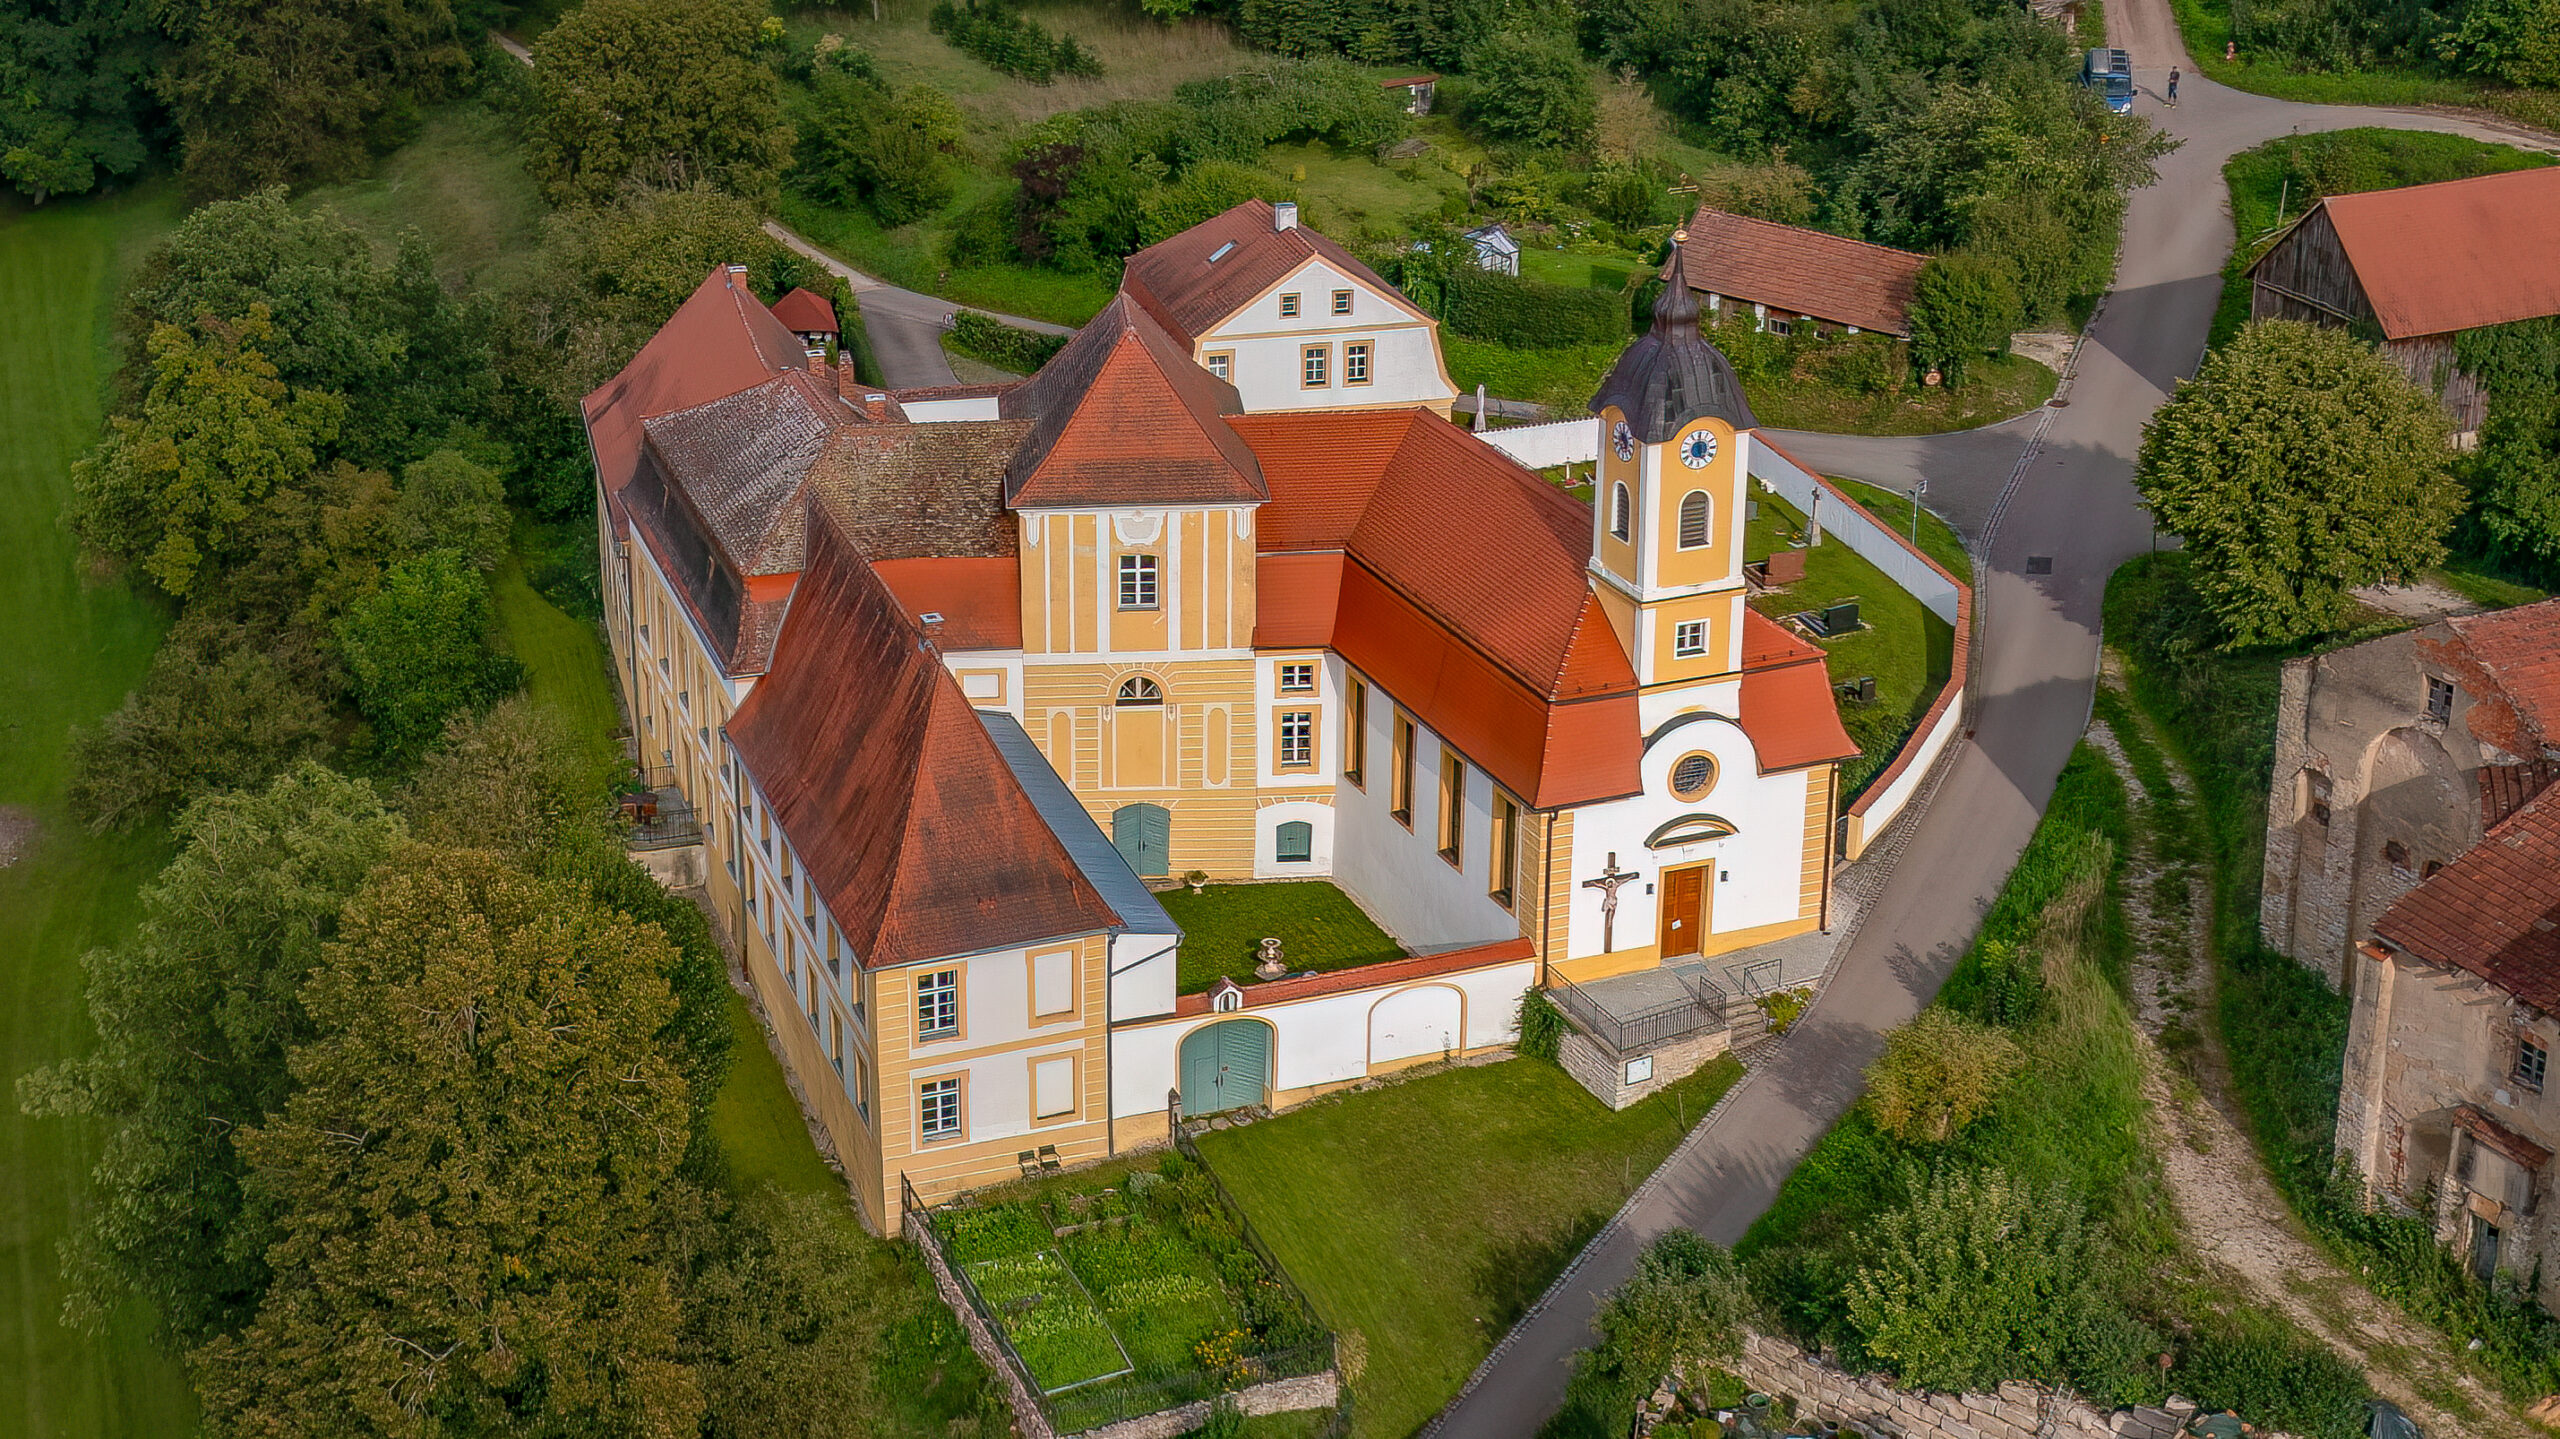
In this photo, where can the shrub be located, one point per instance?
(417, 651)
(220, 708)
(1541, 1026)
(1003, 38)
(1685, 1304)
(1530, 314)
(1532, 89)
(1938, 1074)
(2275, 1376)
(983, 337)
(890, 151)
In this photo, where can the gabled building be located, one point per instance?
(1289, 317)
(2419, 265)
(954, 694)
(1793, 280)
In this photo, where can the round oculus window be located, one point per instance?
(1623, 440)
(1698, 451)
(1694, 775)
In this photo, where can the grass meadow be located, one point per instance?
(76, 644)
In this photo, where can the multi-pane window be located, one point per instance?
(1696, 514)
(1297, 738)
(1355, 733)
(938, 1004)
(1689, 639)
(1222, 366)
(1453, 806)
(938, 1108)
(2533, 1064)
(1288, 306)
(1342, 302)
(1400, 783)
(1314, 364)
(1506, 848)
(1355, 363)
(1298, 678)
(2439, 700)
(1138, 582)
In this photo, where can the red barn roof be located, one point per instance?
(1806, 272)
(2455, 255)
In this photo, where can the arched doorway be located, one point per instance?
(1226, 1065)
(1143, 833)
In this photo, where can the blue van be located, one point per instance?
(2110, 73)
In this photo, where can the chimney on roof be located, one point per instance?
(1284, 214)
(817, 359)
(736, 274)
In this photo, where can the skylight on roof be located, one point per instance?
(1220, 253)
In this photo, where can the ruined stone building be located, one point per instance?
(2413, 858)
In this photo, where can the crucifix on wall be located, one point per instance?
(1608, 884)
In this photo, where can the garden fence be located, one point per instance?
(1101, 1402)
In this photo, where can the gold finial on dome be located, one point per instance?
(1680, 237)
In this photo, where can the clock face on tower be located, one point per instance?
(1698, 450)
(1624, 441)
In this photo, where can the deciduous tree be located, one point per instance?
(1533, 89)
(664, 93)
(224, 706)
(76, 75)
(195, 1014)
(1962, 307)
(2298, 464)
(417, 651)
(168, 489)
(470, 1178)
(1938, 1074)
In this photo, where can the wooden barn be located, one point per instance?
(2415, 267)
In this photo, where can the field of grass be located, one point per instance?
(1318, 927)
(1993, 390)
(1421, 1218)
(76, 645)
(2206, 27)
(2275, 183)
(1908, 650)
(461, 184)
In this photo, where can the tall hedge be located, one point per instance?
(1530, 314)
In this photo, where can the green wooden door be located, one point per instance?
(1226, 1066)
(1143, 833)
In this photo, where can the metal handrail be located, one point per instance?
(1701, 1010)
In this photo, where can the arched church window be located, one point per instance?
(1619, 506)
(1139, 690)
(1697, 518)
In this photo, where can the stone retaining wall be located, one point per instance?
(1603, 1070)
(1315, 1391)
(2015, 1411)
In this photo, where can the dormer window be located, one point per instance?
(1220, 253)
(1288, 307)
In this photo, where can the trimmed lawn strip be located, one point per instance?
(1938, 539)
(1318, 927)
(1909, 650)
(76, 646)
(1422, 1218)
(564, 663)
(2276, 182)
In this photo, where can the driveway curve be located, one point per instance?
(2057, 485)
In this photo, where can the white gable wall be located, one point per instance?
(1267, 348)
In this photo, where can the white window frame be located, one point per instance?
(1688, 639)
(1297, 739)
(938, 1004)
(1140, 588)
(938, 1114)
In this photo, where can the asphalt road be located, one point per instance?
(2073, 502)
(905, 327)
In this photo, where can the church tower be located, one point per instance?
(1667, 506)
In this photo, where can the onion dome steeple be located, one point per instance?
(1672, 375)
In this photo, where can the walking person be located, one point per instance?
(2173, 85)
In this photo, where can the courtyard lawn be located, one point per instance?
(1422, 1218)
(76, 645)
(1908, 649)
(1318, 927)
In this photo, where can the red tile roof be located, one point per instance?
(1121, 416)
(803, 312)
(2495, 911)
(1847, 282)
(1787, 705)
(2519, 650)
(719, 341)
(1178, 282)
(980, 600)
(1457, 580)
(899, 805)
(1367, 976)
(2455, 255)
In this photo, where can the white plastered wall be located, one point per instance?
(1267, 346)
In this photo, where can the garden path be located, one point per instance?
(2229, 1210)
